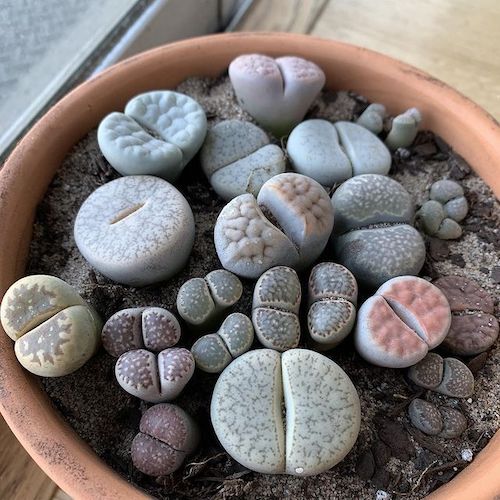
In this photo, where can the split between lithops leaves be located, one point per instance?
(404, 129)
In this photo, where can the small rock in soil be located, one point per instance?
(495, 274)
(457, 259)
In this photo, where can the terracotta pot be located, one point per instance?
(28, 171)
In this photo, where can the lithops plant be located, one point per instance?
(428, 372)
(454, 423)
(155, 378)
(213, 352)
(158, 134)
(405, 318)
(294, 413)
(237, 158)
(372, 118)
(288, 224)
(276, 92)
(135, 230)
(201, 300)
(404, 129)
(425, 416)
(333, 294)
(167, 434)
(54, 329)
(374, 212)
(275, 308)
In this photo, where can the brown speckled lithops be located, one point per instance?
(428, 372)
(425, 416)
(458, 381)
(454, 423)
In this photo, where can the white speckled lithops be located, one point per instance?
(237, 158)
(275, 308)
(321, 412)
(135, 230)
(158, 134)
(404, 129)
(333, 293)
(56, 332)
(372, 118)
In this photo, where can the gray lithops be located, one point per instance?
(333, 294)
(428, 372)
(454, 423)
(213, 352)
(425, 416)
(135, 230)
(237, 158)
(167, 434)
(372, 118)
(275, 308)
(276, 92)
(288, 224)
(319, 424)
(404, 129)
(55, 330)
(373, 212)
(158, 134)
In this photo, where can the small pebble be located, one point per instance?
(382, 495)
(467, 455)
(425, 416)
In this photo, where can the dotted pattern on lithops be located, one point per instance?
(454, 422)
(428, 372)
(275, 308)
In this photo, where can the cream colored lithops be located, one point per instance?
(294, 413)
(55, 330)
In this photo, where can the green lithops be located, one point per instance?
(404, 129)
(372, 118)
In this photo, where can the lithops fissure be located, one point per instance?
(288, 224)
(275, 308)
(296, 413)
(404, 129)
(373, 212)
(276, 92)
(158, 134)
(405, 318)
(333, 293)
(237, 158)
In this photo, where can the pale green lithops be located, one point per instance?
(275, 308)
(55, 330)
(135, 230)
(276, 92)
(158, 134)
(333, 294)
(373, 212)
(404, 129)
(237, 158)
(288, 224)
(213, 352)
(372, 118)
(294, 413)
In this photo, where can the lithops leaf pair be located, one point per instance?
(167, 434)
(373, 235)
(213, 352)
(372, 118)
(333, 294)
(158, 134)
(276, 92)
(55, 330)
(237, 158)
(404, 129)
(275, 308)
(405, 318)
(288, 224)
(200, 300)
(294, 413)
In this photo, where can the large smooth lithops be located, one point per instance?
(135, 230)
(404, 129)
(55, 330)
(296, 413)
(333, 294)
(237, 158)
(405, 318)
(158, 134)
(288, 224)
(276, 92)
(275, 308)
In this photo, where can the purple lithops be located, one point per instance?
(167, 434)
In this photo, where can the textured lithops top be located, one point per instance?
(158, 134)
(329, 280)
(136, 230)
(372, 118)
(321, 412)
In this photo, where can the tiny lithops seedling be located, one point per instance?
(276, 92)
(158, 134)
(213, 352)
(237, 158)
(153, 328)
(404, 129)
(405, 318)
(155, 378)
(425, 416)
(316, 430)
(55, 330)
(288, 224)
(372, 118)
(333, 293)
(167, 434)
(135, 230)
(275, 308)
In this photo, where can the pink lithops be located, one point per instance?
(405, 318)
